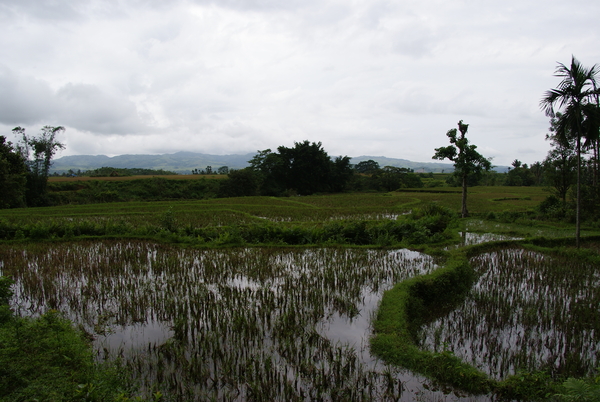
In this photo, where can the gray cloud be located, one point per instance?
(24, 100)
(42, 9)
(87, 108)
(377, 76)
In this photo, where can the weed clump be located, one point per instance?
(47, 359)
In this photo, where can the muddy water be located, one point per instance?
(527, 311)
(228, 324)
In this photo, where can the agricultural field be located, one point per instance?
(356, 297)
(63, 179)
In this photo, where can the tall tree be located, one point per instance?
(13, 176)
(367, 167)
(39, 152)
(576, 96)
(466, 159)
(304, 169)
(560, 166)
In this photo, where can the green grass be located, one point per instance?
(47, 359)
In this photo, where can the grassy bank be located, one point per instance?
(417, 301)
(48, 359)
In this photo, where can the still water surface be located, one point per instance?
(228, 324)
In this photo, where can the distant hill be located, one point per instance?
(419, 167)
(185, 162)
(180, 162)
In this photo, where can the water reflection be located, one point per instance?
(228, 324)
(527, 311)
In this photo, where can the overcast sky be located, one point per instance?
(363, 77)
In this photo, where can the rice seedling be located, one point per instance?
(528, 311)
(234, 324)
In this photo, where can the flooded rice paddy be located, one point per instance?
(527, 311)
(234, 324)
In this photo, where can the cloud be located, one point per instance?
(368, 76)
(48, 10)
(24, 100)
(27, 100)
(86, 108)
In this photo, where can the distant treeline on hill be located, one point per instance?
(116, 172)
(187, 162)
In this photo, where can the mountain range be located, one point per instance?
(184, 162)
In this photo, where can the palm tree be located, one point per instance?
(576, 95)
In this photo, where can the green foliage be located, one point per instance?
(366, 167)
(239, 183)
(5, 295)
(304, 169)
(392, 178)
(13, 176)
(116, 172)
(552, 208)
(167, 219)
(520, 175)
(577, 95)
(47, 359)
(5, 291)
(467, 161)
(39, 152)
(151, 189)
(578, 390)
(526, 386)
(429, 227)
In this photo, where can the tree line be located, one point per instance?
(306, 169)
(25, 167)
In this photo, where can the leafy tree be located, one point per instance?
(268, 167)
(39, 152)
(519, 175)
(367, 167)
(304, 169)
(467, 160)
(307, 168)
(13, 176)
(576, 95)
(537, 171)
(560, 166)
(393, 178)
(341, 174)
(223, 170)
(239, 183)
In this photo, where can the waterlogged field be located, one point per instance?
(309, 209)
(294, 324)
(234, 324)
(527, 311)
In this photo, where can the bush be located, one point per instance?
(552, 208)
(47, 359)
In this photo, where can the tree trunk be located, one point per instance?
(464, 213)
(578, 202)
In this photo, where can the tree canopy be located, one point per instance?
(13, 176)
(466, 159)
(304, 169)
(37, 152)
